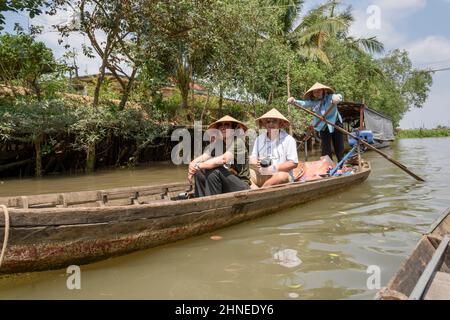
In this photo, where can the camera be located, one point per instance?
(266, 162)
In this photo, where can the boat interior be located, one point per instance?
(310, 171)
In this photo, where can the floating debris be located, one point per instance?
(215, 238)
(258, 241)
(287, 258)
(333, 255)
(293, 295)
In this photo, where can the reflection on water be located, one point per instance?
(334, 239)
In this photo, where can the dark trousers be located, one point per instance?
(217, 181)
(338, 143)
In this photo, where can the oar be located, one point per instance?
(308, 136)
(398, 164)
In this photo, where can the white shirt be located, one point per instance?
(280, 150)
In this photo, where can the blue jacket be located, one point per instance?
(320, 107)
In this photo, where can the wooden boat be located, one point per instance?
(54, 231)
(361, 117)
(425, 275)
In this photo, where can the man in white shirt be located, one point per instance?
(274, 154)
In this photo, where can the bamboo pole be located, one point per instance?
(398, 164)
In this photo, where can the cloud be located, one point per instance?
(86, 65)
(430, 49)
(400, 6)
(431, 52)
(436, 110)
(51, 37)
(386, 33)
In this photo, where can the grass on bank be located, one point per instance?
(423, 133)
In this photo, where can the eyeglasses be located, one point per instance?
(224, 125)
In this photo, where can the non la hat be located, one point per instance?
(227, 119)
(316, 86)
(273, 114)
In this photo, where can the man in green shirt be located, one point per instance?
(224, 166)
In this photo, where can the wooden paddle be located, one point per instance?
(398, 164)
(309, 135)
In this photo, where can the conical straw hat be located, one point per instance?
(316, 86)
(227, 119)
(273, 114)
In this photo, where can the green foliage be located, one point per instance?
(424, 133)
(33, 7)
(30, 120)
(25, 61)
(90, 125)
(250, 49)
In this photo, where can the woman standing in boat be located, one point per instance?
(224, 166)
(323, 101)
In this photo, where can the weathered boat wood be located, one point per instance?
(426, 272)
(56, 230)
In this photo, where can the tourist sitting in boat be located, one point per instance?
(274, 153)
(323, 101)
(224, 165)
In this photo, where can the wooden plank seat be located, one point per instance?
(99, 198)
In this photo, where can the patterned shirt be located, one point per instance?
(320, 107)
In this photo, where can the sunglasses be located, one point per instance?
(225, 125)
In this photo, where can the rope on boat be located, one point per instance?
(6, 236)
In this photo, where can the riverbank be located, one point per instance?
(66, 135)
(423, 133)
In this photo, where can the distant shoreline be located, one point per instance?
(423, 133)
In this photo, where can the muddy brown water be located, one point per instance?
(318, 250)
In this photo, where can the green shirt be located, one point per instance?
(239, 166)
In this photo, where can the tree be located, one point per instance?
(405, 86)
(35, 121)
(120, 52)
(23, 59)
(89, 127)
(33, 7)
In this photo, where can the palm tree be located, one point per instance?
(369, 45)
(307, 38)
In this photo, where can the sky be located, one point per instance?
(422, 27)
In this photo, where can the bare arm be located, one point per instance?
(192, 165)
(216, 161)
(286, 166)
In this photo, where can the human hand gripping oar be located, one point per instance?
(398, 164)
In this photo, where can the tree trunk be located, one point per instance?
(184, 98)
(183, 80)
(127, 90)
(220, 101)
(288, 83)
(37, 147)
(37, 89)
(270, 97)
(98, 85)
(205, 106)
(90, 158)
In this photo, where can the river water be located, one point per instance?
(318, 250)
